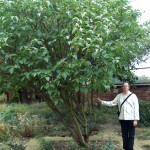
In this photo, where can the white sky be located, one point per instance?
(144, 7)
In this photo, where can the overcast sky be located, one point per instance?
(144, 7)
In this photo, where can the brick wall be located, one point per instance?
(142, 92)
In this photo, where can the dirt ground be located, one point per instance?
(107, 132)
(112, 132)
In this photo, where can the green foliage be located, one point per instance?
(145, 113)
(4, 147)
(3, 98)
(95, 146)
(3, 107)
(16, 146)
(108, 146)
(28, 125)
(5, 132)
(144, 135)
(101, 115)
(45, 145)
(66, 49)
(30, 120)
(8, 116)
(67, 44)
(12, 126)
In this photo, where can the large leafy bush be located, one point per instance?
(64, 48)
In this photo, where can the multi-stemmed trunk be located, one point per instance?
(74, 119)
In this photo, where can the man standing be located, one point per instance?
(129, 114)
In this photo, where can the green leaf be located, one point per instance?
(77, 88)
(64, 75)
(11, 70)
(46, 59)
(84, 90)
(47, 78)
(88, 63)
(56, 102)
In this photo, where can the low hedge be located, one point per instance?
(145, 113)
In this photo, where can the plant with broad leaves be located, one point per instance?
(66, 48)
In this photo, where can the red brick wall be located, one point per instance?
(107, 96)
(142, 92)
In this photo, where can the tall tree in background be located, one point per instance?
(63, 48)
(146, 47)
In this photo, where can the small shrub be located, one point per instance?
(3, 98)
(9, 117)
(4, 132)
(3, 107)
(45, 145)
(108, 146)
(29, 120)
(28, 125)
(4, 146)
(145, 113)
(73, 145)
(94, 147)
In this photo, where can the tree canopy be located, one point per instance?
(66, 48)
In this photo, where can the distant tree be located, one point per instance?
(64, 48)
(146, 47)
